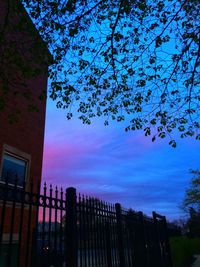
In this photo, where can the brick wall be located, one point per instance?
(23, 80)
(21, 128)
(27, 133)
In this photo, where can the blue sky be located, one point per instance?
(116, 166)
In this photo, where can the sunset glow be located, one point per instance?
(115, 166)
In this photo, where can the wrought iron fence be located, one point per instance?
(57, 228)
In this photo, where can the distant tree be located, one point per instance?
(194, 223)
(177, 227)
(192, 195)
(124, 60)
(191, 204)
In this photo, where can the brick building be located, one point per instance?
(22, 118)
(24, 61)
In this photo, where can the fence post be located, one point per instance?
(120, 234)
(157, 245)
(144, 258)
(71, 228)
(168, 249)
(108, 245)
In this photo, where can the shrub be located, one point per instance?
(183, 249)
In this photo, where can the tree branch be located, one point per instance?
(112, 39)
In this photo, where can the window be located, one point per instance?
(13, 168)
(5, 246)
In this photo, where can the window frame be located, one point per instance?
(18, 154)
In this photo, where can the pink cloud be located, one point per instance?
(69, 153)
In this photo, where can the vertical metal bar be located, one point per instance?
(55, 227)
(49, 224)
(108, 245)
(50, 215)
(157, 241)
(152, 243)
(147, 230)
(84, 231)
(120, 235)
(13, 209)
(95, 232)
(88, 231)
(34, 251)
(143, 239)
(22, 199)
(61, 223)
(109, 221)
(104, 220)
(80, 231)
(91, 231)
(29, 233)
(98, 234)
(114, 241)
(71, 228)
(168, 249)
(128, 244)
(100, 237)
(43, 217)
(3, 213)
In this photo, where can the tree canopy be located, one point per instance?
(192, 196)
(191, 204)
(133, 61)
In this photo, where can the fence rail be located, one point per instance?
(61, 228)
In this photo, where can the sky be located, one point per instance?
(116, 166)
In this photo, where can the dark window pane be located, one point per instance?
(4, 255)
(13, 168)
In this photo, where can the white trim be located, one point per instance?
(6, 238)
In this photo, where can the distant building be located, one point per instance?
(24, 61)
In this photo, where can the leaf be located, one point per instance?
(73, 30)
(172, 143)
(147, 131)
(153, 121)
(158, 41)
(198, 137)
(141, 83)
(152, 60)
(162, 135)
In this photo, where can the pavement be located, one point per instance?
(197, 261)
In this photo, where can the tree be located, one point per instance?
(192, 196)
(191, 204)
(135, 61)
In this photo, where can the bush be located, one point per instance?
(183, 249)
